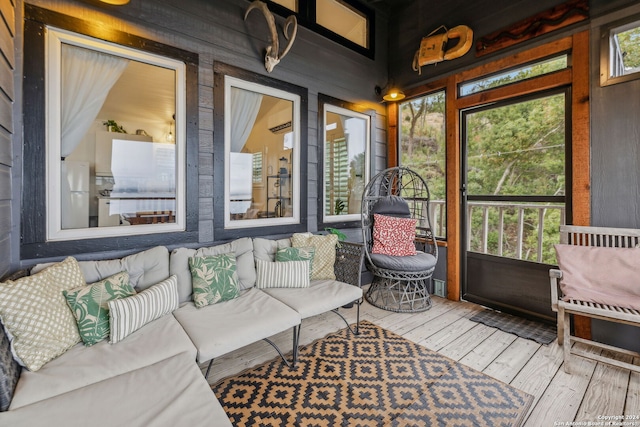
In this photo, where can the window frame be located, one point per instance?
(224, 76)
(306, 16)
(34, 238)
(350, 220)
(605, 52)
(55, 37)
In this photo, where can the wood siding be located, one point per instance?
(7, 98)
(217, 33)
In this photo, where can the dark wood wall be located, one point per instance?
(216, 31)
(7, 98)
(615, 162)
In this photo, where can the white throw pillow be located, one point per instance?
(127, 315)
(289, 274)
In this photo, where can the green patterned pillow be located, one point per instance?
(297, 254)
(90, 305)
(214, 278)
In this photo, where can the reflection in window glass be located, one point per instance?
(346, 163)
(263, 189)
(533, 70)
(423, 149)
(289, 4)
(344, 20)
(114, 163)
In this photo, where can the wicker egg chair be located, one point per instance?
(401, 283)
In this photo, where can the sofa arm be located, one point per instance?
(348, 265)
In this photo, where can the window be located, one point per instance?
(347, 22)
(103, 179)
(262, 148)
(346, 136)
(257, 168)
(518, 74)
(109, 138)
(344, 20)
(620, 52)
(423, 149)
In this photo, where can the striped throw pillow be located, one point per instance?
(127, 315)
(289, 274)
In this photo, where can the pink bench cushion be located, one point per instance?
(602, 275)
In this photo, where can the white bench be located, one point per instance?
(602, 237)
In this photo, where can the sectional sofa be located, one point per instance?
(152, 376)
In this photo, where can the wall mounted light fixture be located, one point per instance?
(389, 93)
(115, 2)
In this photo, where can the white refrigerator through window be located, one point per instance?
(75, 194)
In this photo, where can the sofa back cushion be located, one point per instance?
(265, 249)
(243, 248)
(145, 268)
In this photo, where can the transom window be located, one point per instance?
(620, 51)
(344, 21)
(525, 72)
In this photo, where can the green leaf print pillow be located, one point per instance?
(90, 305)
(214, 278)
(297, 254)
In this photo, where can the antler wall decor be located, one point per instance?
(272, 56)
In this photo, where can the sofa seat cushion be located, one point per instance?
(81, 366)
(220, 328)
(419, 262)
(321, 296)
(170, 392)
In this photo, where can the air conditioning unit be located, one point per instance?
(280, 121)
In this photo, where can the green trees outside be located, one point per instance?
(629, 42)
(512, 149)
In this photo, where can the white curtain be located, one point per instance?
(244, 110)
(87, 78)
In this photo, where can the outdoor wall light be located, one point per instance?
(391, 93)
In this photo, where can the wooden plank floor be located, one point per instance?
(592, 391)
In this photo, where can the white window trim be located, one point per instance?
(53, 41)
(230, 82)
(329, 108)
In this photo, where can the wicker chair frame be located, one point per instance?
(394, 290)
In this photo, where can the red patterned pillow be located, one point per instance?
(393, 236)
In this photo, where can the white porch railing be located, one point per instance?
(514, 231)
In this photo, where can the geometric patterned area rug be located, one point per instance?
(376, 378)
(524, 328)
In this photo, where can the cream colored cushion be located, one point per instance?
(325, 256)
(36, 315)
(220, 328)
(82, 366)
(170, 392)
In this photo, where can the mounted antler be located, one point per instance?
(272, 56)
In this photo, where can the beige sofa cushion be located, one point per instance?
(266, 249)
(320, 297)
(243, 248)
(220, 328)
(145, 268)
(170, 392)
(81, 366)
